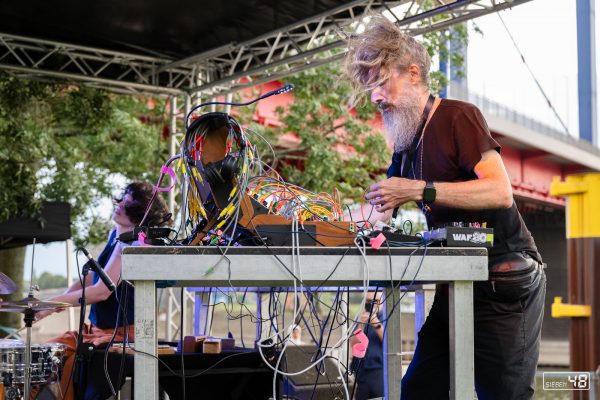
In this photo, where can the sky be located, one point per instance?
(545, 32)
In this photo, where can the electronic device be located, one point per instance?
(462, 236)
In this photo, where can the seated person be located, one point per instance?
(369, 372)
(105, 311)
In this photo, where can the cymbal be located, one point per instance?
(31, 303)
(7, 285)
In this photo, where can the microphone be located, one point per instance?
(93, 264)
(284, 89)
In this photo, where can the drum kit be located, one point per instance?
(23, 364)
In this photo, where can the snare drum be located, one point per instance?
(46, 360)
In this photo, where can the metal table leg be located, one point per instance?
(392, 346)
(462, 358)
(145, 365)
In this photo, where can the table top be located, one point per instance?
(276, 266)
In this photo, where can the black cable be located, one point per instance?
(182, 375)
(106, 350)
(81, 281)
(207, 310)
(337, 303)
(188, 376)
(241, 320)
(358, 369)
(302, 229)
(349, 212)
(81, 323)
(125, 325)
(281, 90)
(537, 82)
(404, 294)
(283, 311)
(409, 222)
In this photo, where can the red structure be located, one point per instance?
(530, 169)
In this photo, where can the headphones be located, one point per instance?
(223, 171)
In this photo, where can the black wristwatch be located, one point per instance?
(429, 193)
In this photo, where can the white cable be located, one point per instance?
(344, 338)
(344, 384)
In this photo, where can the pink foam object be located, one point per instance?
(378, 241)
(360, 349)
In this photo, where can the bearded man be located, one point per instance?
(446, 161)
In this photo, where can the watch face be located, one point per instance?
(429, 193)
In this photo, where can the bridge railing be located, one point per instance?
(461, 92)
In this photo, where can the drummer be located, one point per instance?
(105, 313)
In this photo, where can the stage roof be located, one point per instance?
(189, 47)
(177, 30)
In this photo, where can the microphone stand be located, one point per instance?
(78, 351)
(28, 318)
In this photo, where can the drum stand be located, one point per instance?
(29, 306)
(29, 317)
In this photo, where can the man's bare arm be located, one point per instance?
(492, 189)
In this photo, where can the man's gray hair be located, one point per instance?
(381, 47)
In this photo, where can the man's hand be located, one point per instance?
(394, 192)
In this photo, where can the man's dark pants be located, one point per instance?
(508, 322)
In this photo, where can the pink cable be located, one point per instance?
(142, 239)
(167, 170)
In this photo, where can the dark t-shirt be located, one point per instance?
(374, 356)
(105, 313)
(453, 142)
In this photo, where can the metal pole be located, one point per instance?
(228, 99)
(187, 106)
(392, 345)
(171, 204)
(586, 66)
(28, 362)
(173, 146)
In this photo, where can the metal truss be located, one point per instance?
(107, 69)
(275, 55)
(319, 40)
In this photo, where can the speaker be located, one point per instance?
(319, 383)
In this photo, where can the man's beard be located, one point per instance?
(401, 120)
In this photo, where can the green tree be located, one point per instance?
(51, 281)
(339, 147)
(66, 143)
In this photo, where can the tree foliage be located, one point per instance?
(48, 280)
(338, 148)
(65, 143)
